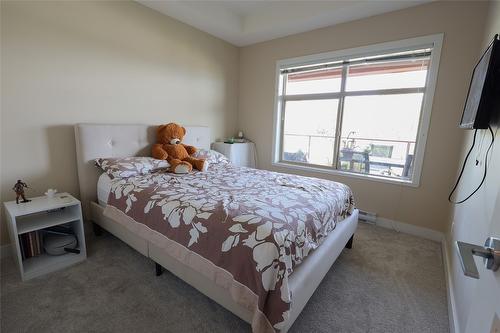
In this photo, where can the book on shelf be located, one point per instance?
(31, 244)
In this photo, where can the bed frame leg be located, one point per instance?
(159, 269)
(97, 229)
(349, 243)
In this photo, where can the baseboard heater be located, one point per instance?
(367, 217)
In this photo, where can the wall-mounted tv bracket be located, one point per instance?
(490, 252)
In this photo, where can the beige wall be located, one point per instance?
(474, 220)
(68, 62)
(462, 24)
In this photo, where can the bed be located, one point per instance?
(268, 299)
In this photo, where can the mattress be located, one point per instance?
(103, 189)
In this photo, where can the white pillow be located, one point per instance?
(211, 156)
(124, 167)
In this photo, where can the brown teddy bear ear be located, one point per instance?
(159, 131)
(184, 130)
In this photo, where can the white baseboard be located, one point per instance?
(410, 229)
(452, 315)
(5, 251)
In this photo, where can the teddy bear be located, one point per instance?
(171, 148)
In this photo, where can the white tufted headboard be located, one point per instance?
(116, 140)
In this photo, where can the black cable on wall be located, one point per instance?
(465, 163)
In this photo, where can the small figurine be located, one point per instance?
(19, 189)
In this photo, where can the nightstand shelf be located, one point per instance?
(37, 221)
(39, 214)
(45, 263)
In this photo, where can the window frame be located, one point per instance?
(434, 41)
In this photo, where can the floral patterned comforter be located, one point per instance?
(254, 224)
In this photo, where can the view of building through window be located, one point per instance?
(361, 116)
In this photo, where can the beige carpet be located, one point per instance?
(388, 282)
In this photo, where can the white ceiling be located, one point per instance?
(244, 22)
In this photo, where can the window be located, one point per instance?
(364, 111)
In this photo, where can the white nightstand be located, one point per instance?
(40, 213)
(240, 154)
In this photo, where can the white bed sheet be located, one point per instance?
(103, 189)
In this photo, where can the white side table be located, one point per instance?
(240, 154)
(41, 213)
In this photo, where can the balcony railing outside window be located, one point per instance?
(389, 158)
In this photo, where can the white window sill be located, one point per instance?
(375, 178)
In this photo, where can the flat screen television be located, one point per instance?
(482, 106)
